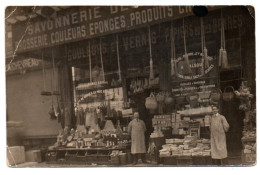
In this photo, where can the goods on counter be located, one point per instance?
(156, 133)
(249, 146)
(195, 111)
(189, 146)
(162, 121)
(249, 134)
(109, 127)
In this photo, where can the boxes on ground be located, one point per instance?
(15, 155)
(115, 160)
(249, 158)
(33, 156)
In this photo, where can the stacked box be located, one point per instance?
(15, 155)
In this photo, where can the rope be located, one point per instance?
(89, 55)
(118, 58)
(101, 59)
(53, 72)
(43, 73)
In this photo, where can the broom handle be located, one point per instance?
(184, 37)
(221, 19)
(201, 33)
(224, 43)
(89, 55)
(101, 59)
(150, 44)
(118, 58)
(172, 42)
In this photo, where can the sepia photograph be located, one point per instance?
(130, 86)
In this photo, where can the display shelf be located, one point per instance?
(98, 88)
(196, 115)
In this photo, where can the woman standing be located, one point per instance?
(219, 126)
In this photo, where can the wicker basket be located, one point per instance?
(51, 157)
(228, 96)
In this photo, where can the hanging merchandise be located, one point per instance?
(52, 113)
(205, 60)
(186, 64)
(118, 60)
(151, 103)
(228, 96)
(44, 93)
(151, 77)
(58, 111)
(160, 97)
(223, 61)
(168, 99)
(173, 56)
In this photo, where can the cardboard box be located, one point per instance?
(33, 156)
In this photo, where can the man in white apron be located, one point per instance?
(136, 129)
(219, 126)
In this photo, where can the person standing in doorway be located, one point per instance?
(136, 129)
(218, 127)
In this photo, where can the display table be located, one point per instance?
(97, 155)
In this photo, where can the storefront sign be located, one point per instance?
(25, 64)
(195, 65)
(185, 88)
(79, 23)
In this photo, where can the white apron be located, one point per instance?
(137, 130)
(219, 126)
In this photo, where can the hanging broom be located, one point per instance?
(224, 57)
(223, 61)
(118, 60)
(173, 59)
(151, 77)
(186, 56)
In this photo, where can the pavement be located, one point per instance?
(231, 161)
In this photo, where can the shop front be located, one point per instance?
(165, 63)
